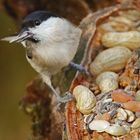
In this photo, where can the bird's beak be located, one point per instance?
(23, 35)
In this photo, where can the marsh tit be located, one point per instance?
(51, 43)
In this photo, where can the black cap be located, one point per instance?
(36, 18)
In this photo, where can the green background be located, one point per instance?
(15, 73)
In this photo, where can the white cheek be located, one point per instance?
(39, 33)
(47, 28)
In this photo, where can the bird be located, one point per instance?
(50, 42)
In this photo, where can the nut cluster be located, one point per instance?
(114, 109)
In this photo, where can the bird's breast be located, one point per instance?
(45, 59)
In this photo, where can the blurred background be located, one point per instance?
(15, 72)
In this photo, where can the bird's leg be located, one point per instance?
(79, 67)
(60, 99)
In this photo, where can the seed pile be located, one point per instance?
(111, 105)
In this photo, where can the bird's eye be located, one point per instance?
(37, 22)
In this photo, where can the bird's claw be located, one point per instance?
(79, 68)
(65, 98)
(83, 70)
